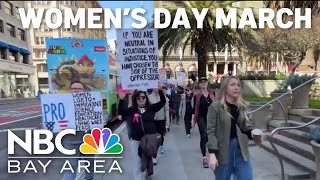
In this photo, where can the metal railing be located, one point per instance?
(286, 122)
(310, 80)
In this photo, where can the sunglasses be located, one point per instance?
(187, 89)
(203, 81)
(141, 98)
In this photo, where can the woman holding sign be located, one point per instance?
(229, 131)
(141, 121)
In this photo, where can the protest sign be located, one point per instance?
(163, 75)
(79, 111)
(181, 78)
(138, 54)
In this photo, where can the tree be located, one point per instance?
(203, 40)
(292, 44)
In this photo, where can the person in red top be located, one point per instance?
(202, 100)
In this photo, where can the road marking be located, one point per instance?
(6, 110)
(20, 119)
(17, 113)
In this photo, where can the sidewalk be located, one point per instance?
(183, 160)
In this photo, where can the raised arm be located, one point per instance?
(123, 106)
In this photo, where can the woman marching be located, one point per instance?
(186, 110)
(141, 121)
(229, 131)
(202, 100)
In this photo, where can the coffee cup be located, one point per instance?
(257, 135)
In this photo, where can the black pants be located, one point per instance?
(161, 128)
(202, 124)
(187, 122)
(176, 108)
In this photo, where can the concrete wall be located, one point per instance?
(260, 88)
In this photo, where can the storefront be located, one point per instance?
(17, 76)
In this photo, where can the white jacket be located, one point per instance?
(163, 114)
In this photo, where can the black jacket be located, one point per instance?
(147, 117)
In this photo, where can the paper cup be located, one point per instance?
(257, 135)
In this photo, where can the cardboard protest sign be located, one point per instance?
(84, 60)
(138, 54)
(163, 75)
(79, 111)
(181, 78)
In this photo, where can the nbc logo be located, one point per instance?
(101, 142)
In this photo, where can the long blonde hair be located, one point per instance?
(223, 91)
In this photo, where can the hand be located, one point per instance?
(193, 123)
(167, 124)
(120, 117)
(213, 162)
(122, 95)
(265, 136)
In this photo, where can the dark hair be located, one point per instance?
(84, 86)
(135, 96)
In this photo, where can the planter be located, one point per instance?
(261, 117)
(277, 112)
(300, 97)
(316, 150)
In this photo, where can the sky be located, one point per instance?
(127, 20)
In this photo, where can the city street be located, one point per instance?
(18, 117)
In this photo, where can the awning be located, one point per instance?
(14, 48)
(24, 51)
(5, 45)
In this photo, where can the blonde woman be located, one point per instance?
(229, 132)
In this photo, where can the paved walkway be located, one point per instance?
(183, 160)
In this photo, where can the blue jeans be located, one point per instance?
(237, 166)
(68, 175)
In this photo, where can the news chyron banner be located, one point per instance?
(83, 60)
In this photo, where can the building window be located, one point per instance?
(43, 81)
(42, 2)
(1, 26)
(10, 29)
(2, 53)
(40, 54)
(13, 56)
(21, 34)
(39, 40)
(8, 8)
(42, 67)
(17, 12)
(67, 29)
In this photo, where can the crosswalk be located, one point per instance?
(18, 113)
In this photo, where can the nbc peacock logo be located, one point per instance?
(101, 142)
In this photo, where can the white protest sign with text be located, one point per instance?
(138, 54)
(79, 111)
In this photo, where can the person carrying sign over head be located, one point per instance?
(142, 124)
(74, 142)
(229, 132)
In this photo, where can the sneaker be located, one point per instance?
(154, 161)
(205, 163)
(188, 136)
(162, 150)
